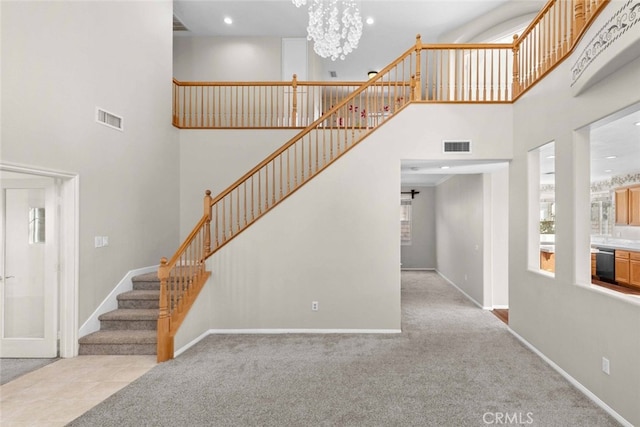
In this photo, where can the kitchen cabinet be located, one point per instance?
(634, 205)
(634, 269)
(547, 261)
(628, 205)
(622, 206)
(622, 267)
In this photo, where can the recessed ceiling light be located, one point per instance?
(610, 157)
(551, 157)
(608, 170)
(370, 21)
(637, 123)
(445, 167)
(228, 20)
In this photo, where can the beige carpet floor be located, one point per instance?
(453, 365)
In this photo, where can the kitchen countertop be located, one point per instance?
(611, 243)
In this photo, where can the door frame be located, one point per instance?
(68, 186)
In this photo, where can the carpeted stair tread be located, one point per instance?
(147, 281)
(131, 314)
(147, 277)
(120, 337)
(140, 294)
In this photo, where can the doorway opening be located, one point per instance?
(38, 262)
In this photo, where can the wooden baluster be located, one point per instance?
(259, 192)
(418, 88)
(281, 184)
(207, 224)
(294, 101)
(164, 346)
(578, 18)
(253, 216)
(266, 187)
(231, 214)
(515, 90)
(245, 203)
(237, 190)
(216, 230)
(224, 227)
(288, 170)
(273, 182)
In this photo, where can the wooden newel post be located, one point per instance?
(294, 101)
(207, 224)
(164, 339)
(417, 91)
(515, 85)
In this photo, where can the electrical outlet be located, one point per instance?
(98, 241)
(105, 240)
(314, 306)
(605, 365)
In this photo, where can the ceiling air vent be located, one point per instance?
(108, 119)
(456, 146)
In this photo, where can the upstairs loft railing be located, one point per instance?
(470, 73)
(424, 73)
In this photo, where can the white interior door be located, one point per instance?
(28, 260)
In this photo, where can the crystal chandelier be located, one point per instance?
(335, 26)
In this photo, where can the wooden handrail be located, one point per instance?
(457, 73)
(308, 129)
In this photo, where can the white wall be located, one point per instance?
(497, 239)
(59, 61)
(460, 225)
(574, 325)
(213, 160)
(227, 58)
(421, 253)
(336, 241)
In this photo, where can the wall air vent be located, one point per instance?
(333, 74)
(456, 146)
(178, 25)
(109, 119)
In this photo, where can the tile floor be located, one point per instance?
(62, 391)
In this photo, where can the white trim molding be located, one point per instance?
(281, 332)
(573, 381)
(110, 303)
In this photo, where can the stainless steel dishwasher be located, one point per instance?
(606, 264)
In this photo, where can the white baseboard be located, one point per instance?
(500, 307)
(281, 331)
(573, 381)
(110, 302)
(417, 269)
(463, 292)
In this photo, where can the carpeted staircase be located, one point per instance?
(131, 329)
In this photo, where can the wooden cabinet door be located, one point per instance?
(622, 267)
(634, 205)
(622, 206)
(634, 269)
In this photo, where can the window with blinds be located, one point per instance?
(405, 219)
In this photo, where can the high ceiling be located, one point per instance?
(396, 23)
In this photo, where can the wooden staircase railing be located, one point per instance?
(445, 73)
